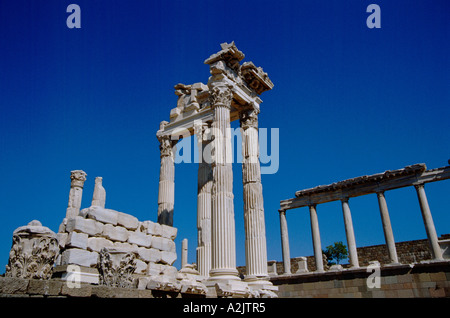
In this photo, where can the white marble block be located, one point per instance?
(97, 243)
(79, 257)
(154, 269)
(88, 226)
(127, 221)
(149, 254)
(76, 239)
(168, 257)
(115, 233)
(102, 215)
(153, 228)
(141, 267)
(163, 244)
(169, 232)
(140, 239)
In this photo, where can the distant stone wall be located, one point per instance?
(399, 281)
(408, 252)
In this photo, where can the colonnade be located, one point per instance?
(216, 251)
(322, 194)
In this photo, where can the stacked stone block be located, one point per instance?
(82, 237)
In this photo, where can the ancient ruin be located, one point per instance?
(101, 246)
(232, 93)
(101, 252)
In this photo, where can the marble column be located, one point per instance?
(351, 243)
(387, 228)
(428, 221)
(166, 194)
(99, 197)
(184, 253)
(316, 238)
(223, 261)
(205, 181)
(254, 223)
(77, 177)
(285, 242)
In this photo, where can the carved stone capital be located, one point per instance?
(77, 178)
(33, 252)
(116, 268)
(249, 119)
(166, 146)
(221, 95)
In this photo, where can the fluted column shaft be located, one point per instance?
(428, 221)
(351, 242)
(77, 178)
(387, 228)
(255, 232)
(223, 263)
(316, 238)
(285, 242)
(205, 181)
(166, 194)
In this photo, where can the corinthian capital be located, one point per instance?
(165, 146)
(78, 177)
(220, 95)
(249, 119)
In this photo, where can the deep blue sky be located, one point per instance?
(348, 101)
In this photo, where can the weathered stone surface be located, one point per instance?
(115, 233)
(102, 215)
(88, 226)
(77, 239)
(154, 229)
(140, 239)
(79, 257)
(163, 244)
(168, 231)
(168, 257)
(127, 221)
(13, 285)
(154, 269)
(97, 243)
(149, 254)
(62, 239)
(141, 267)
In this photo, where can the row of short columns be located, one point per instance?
(350, 235)
(216, 251)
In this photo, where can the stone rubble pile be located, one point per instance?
(148, 247)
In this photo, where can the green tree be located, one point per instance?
(337, 251)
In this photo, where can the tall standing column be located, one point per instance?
(350, 233)
(205, 181)
(223, 262)
(255, 231)
(77, 178)
(316, 238)
(285, 242)
(387, 228)
(166, 194)
(428, 221)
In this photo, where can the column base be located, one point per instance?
(223, 274)
(262, 286)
